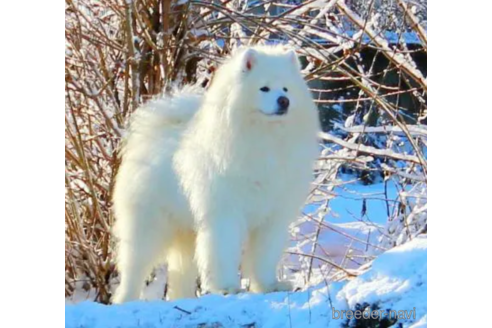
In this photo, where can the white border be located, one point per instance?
(460, 163)
(31, 164)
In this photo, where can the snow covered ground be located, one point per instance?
(345, 216)
(346, 230)
(397, 280)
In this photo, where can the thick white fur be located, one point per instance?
(205, 176)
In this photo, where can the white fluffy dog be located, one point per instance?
(205, 176)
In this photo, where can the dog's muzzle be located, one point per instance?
(283, 105)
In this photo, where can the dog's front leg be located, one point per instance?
(218, 253)
(263, 253)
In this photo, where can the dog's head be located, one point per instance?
(267, 83)
(269, 80)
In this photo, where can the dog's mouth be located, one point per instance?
(278, 113)
(274, 119)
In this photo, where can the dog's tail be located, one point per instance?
(173, 109)
(164, 118)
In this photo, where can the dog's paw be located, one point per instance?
(279, 286)
(229, 291)
(223, 291)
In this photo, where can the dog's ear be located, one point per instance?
(291, 54)
(249, 59)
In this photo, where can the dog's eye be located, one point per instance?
(265, 89)
(285, 89)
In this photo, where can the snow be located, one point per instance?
(370, 150)
(396, 281)
(396, 272)
(348, 231)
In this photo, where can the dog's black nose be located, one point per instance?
(283, 105)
